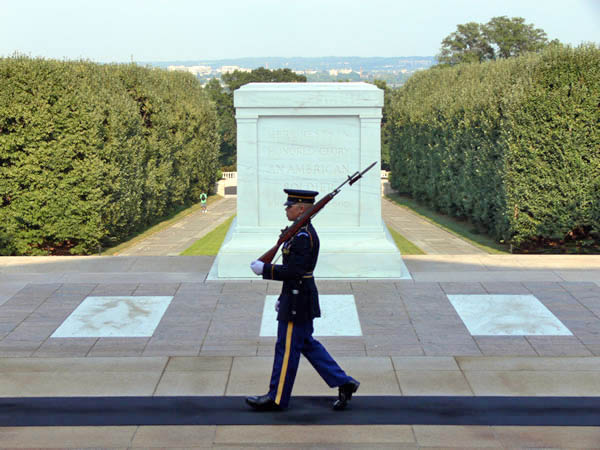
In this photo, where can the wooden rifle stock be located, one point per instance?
(288, 232)
(269, 255)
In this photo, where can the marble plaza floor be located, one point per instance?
(465, 325)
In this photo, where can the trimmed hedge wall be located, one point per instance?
(90, 153)
(513, 145)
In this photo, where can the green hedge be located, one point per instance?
(513, 145)
(90, 153)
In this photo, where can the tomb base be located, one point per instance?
(342, 256)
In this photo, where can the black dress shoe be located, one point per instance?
(263, 403)
(345, 392)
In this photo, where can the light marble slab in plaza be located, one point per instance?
(507, 315)
(115, 316)
(339, 317)
(310, 136)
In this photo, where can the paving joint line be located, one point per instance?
(214, 308)
(229, 374)
(91, 347)
(463, 372)
(577, 300)
(34, 310)
(161, 375)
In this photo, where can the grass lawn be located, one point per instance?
(460, 228)
(404, 245)
(159, 225)
(211, 242)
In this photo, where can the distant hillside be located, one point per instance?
(370, 64)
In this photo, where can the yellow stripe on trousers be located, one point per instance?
(286, 357)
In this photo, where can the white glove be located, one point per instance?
(277, 306)
(257, 267)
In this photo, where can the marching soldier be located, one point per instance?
(297, 306)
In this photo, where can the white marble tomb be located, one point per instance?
(310, 136)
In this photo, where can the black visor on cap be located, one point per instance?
(299, 196)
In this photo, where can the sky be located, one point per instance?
(195, 30)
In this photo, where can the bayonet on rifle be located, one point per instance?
(291, 230)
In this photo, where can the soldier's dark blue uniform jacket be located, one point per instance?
(299, 299)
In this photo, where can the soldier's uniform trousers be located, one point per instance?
(294, 339)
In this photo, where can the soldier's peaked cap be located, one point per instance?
(300, 196)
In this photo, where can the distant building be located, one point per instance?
(336, 72)
(230, 69)
(182, 68)
(196, 70)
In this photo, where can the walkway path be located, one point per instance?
(432, 239)
(175, 239)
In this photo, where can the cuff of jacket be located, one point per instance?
(268, 271)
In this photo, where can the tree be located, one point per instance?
(237, 79)
(512, 37)
(223, 97)
(501, 37)
(226, 128)
(467, 44)
(385, 125)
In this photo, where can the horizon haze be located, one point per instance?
(186, 30)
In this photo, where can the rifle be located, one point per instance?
(289, 231)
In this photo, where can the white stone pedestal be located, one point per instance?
(310, 136)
